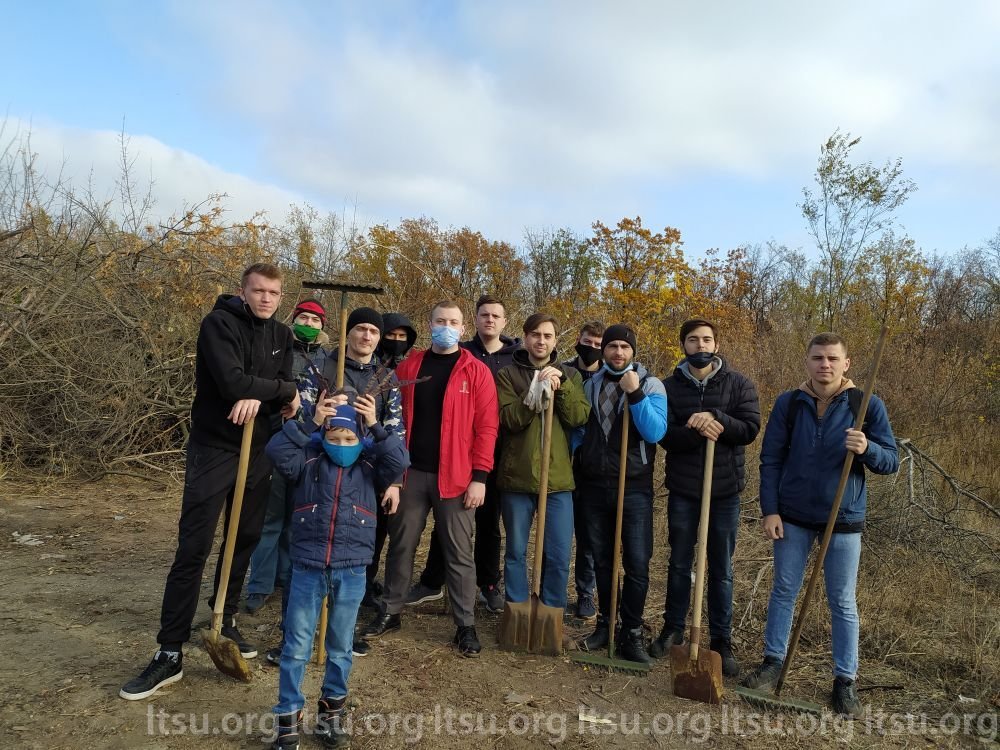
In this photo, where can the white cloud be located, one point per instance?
(476, 116)
(91, 161)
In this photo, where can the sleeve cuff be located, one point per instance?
(479, 475)
(636, 396)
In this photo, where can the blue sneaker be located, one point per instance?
(585, 608)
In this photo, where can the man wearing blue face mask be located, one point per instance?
(333, 473)
(708, 401)
(621, 383)
(451, 425)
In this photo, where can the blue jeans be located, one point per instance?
(600, 507)
(840, 569)
(518, 511)
(345, 588)
(683, 515)
(270, 563)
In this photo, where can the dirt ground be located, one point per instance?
(82, 570)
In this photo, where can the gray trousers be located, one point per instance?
(454, 525)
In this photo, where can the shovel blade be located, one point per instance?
(226, 655)
(546, 629)
(699, 679)
(514, 632)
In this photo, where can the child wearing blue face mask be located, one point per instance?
(333, 467)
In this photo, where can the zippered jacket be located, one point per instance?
(598, 457)
(334, 508)
(732, 399)
(469, 419)
(799, 473)
(521, 428)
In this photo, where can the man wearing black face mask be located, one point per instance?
(706, 400)
(587, 361)
(399, 338)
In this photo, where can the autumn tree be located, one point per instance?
(647, 283)
(850, 208)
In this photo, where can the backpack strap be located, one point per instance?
(790, 416)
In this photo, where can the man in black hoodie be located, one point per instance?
(243, 369)
(396, 342)
(706, 400)
(365, 328)
(495, 350)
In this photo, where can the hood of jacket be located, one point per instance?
(392, 321)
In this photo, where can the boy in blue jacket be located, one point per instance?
(805, 444)
(334, 473)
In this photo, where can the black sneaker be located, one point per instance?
(162, 670)
(633, 646)
(492, 599)
(230, 631)
(730, 665)
(764, 677)
(585, 608)
(468, 642)
(420, 594)
(382, 624)
(599, 638)
(330, 727)
(845, 698)
(361, 647)
(660, 646)
(255, 603)
(273, 655)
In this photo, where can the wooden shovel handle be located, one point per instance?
(699, 576)
(543, 493)
(234, 522)
(619, 513)
(831, 520)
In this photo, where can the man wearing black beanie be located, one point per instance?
(364, 332)
(621, 383)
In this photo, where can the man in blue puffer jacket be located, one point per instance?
(334, 473)
(800, 465)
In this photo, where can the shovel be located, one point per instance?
(530, 625)
(224, 651)
(698, 672)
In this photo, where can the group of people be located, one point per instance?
(456, 431)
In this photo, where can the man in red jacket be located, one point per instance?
(451, 429)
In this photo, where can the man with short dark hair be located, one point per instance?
(806, 441)
(522, 425)
(363, 371)
(587, 362)
(707, 400)
(451, 430)
(243, 370)
(491, 347)
(621, 383)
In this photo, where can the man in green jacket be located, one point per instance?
(521, 459)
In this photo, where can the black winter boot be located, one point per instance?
(633, 646)
(599, 638)
(289, 726)
(330, 724)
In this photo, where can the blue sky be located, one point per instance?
(703, 116)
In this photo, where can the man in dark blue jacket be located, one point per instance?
(800, 465)
(707, 400)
